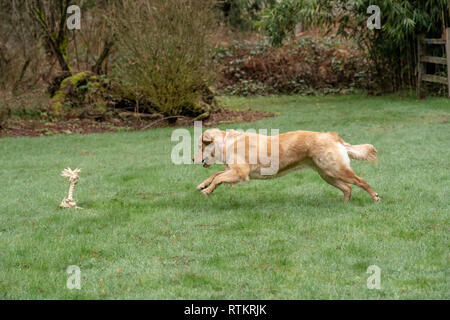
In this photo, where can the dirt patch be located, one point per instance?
(37, 127)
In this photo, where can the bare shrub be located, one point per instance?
(19, 46)
(164, 51)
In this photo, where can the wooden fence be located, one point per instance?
(423, 59)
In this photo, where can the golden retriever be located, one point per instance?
(247, 155)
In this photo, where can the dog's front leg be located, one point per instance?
(208, 181)
(232, 176)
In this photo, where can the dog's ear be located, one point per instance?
(207, 136)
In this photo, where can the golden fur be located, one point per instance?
(324, 152)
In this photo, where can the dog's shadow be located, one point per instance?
(227, 198)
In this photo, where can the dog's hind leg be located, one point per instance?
(344, 187)
(334, 162)
(349, 176)
(233, 175)
(208, 181)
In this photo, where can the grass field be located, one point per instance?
(146, 233)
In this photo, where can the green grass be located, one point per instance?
(287, 238)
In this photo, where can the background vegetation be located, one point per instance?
(391, 50)
(164, 50)
(242, 14)
(170, 59)
(307, 66)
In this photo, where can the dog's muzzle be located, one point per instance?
(205, 162)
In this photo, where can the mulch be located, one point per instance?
(39, 127)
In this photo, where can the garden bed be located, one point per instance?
(36, 127)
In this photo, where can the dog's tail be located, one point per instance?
(365, 152)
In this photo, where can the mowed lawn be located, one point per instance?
(146, 233)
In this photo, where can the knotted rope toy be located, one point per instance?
(73, 179)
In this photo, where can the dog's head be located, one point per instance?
(208, 145)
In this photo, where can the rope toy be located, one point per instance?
(73, 179)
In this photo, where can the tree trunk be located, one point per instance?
(97, 68)
(56, 38)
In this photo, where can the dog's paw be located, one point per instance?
(377, 198)
(200, 187)
(206, 192)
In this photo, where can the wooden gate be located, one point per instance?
(422, 59)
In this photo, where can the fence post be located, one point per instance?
(447, 49)
(420, 66)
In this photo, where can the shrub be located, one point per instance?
(164, 52)
(305, 66)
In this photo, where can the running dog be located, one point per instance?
(251, 155)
